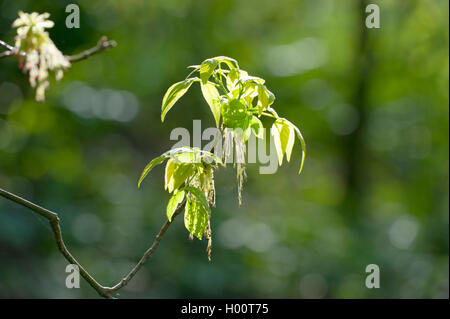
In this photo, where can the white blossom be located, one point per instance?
(37, 53)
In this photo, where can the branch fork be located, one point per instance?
(54, 221)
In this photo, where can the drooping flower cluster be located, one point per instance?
(36, 51)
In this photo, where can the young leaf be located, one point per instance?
(188, 157)
(284, 133)
(150, 166)
(195, 218)
(207, 68)
(232, 63)
(200, 197)
(265, 97)
(250, 78)
(181, 172)
(172, 205)
(276, 139)
(302, 142)
(283, 138)
(256, 125)
(290, 141)
(170, 167)
(235, 115)
(233, 76)
(211, 96)
(173, 94)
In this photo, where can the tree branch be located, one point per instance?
(6, 45)
(53, 219)
(6, 54)
(102, 45)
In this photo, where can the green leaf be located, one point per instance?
(302, 142)
(232, 63)
(258, 128)
(150, 166)
(173, 94)
(180, 174)
(250, 78)
(207, 68)
(284, 133)
(188, 157)
(284, 137)
(173, 203)
(235, 115)
(276, 139)
(195, 218)
(233, 77)
(211, 96)
(170, 167)
(200, 197)
(289, 130)
(265, 97)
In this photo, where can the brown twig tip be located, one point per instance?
(102, 45)
(6, 45)
(105, 43)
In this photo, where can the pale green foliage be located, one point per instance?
(196, 218)
(173, 94)
(237, 101)
(189, 175)
(182, 155)
(174, 201)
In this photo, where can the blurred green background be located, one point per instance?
(371, 103)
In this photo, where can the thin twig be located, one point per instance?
(102, 45)
(146, 255)
(6, 54)
(6, 45)
(9, 49)
(53, 219)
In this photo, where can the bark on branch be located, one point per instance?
(53, 219)
(102, 45)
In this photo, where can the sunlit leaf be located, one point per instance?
(173, 94)
(211, 96)
(199, 196)
(232, 63)
(265, 97)
(277, 141)
(235, 115)
(170, 167)
(257, 127)
(289, 130)
(180, 174)
(302, 143)
(173, 203)
(250, 78)
(207, 68)
(195, 218)
(150, 166)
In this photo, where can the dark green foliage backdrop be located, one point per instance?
(372, 104)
